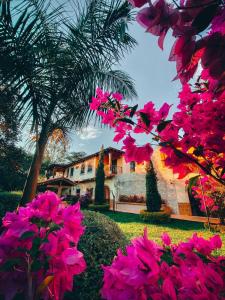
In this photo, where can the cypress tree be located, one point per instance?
(100, 180)
(153, 198)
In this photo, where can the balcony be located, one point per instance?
(113, 170)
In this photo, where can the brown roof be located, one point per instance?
(107, 150)
(64, 181)
(92, 179)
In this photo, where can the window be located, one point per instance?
(82, 169)
(78, 192)
(67, 173)
(71, 172)
(89, 168)
(114, 166)
(132, 166)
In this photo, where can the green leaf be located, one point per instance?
(35, 246)
(145, 119)
(163, 144)
(27, 235)
(133, 110)
(162, 125)
(54, 227)
(9, 264)
(36, 265)
(203, 19)
(192, 182)
(126, 120)
(198, 151)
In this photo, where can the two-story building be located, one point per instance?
(124, 182)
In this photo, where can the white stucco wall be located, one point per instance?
(171, 189)
(77, 176)
(129, 184)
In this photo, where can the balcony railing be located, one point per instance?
(113, 170)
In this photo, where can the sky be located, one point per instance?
(152, 73)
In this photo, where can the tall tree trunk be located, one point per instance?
(30, 187)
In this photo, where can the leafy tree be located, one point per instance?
(100, 180)
(74, 156)
(57, 146)
(14, 166)
(9, 124)
(54, 61)
(153, 198)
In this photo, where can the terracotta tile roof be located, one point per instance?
(64, 166)
(56, 181)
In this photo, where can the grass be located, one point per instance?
(133, 226)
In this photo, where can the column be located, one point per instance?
(110, 163)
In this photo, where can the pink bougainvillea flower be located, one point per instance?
(54, 228)
(138, 3)
(117, 96)
(148, 271)
(166, 239)
(216, 242)
(157, 19)
(134, 153)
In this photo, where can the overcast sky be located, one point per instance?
(152, 73)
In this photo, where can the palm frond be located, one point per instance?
(55, 60)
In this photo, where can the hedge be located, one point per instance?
(99, 207)
(9, 202)
(162, 216)
(99, 244)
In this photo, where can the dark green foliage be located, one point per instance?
(54, 60)
(99, 244)
(156, 217)
(99, 207)
(219, 199)
(100, 180)
(9, 201)
(153, 198)
(14, 167)
(75, 156)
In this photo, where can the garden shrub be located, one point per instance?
(162, 216)
(187, 270)
(219, 201)
(100, 180)
(84, 201)
(132, 199)
(153, 198)
(99, 207)
(99, 243)
(71, 199)
(9, 202)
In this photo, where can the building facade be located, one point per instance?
(124, 182)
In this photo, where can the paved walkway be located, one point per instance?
(136, 207)
(195, 219)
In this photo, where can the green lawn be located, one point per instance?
(132, 226)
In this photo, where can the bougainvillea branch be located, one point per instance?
(187, 270)
(191, 51)
(38, 249)
(189, 146)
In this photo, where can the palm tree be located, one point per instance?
(54, 61)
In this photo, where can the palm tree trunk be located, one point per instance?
(30, 187)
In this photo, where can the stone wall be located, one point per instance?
(130, 184)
